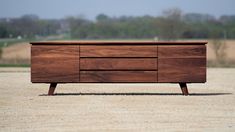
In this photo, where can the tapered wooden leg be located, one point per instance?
(184, 89)
(52, 88)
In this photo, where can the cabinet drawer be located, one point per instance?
(118, 64)
(118, 76)
(118, 51)
(182, 51)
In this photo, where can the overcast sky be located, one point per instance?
(90, 8)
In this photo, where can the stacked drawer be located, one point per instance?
(118, 63)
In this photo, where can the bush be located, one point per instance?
(1, 53)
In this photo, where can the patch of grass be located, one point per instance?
(8, 42)
(226, 64)
(14, 65)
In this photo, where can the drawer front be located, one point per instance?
(118, 64)
(51, 63)
(181, 63)
(118, 76)
(118, 51)
(181, 51)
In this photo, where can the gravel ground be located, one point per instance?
(117, 107)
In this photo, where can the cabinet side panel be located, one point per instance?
(53, 63)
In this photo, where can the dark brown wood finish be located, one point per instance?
(130, 42)
(182, 51)
(192, 70)
(118, 51)
(184, 88)
(54, 64)
(118, 76)
(52, 88)
(182, 63)
(118, 64)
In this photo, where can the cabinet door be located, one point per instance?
(54, 63)
(180, 63)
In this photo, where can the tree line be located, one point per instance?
(171, 25)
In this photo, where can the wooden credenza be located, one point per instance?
(118, 62)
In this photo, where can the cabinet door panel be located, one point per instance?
(51, 63)
(180, 63)
(182, 70)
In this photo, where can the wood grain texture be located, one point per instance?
(182, 63)
(130, 42)
(182, 70)
(118, 64)
(54, 63)
(184, 89)
(118, 76)
(182, 51)
(52, 89)
(118, 51)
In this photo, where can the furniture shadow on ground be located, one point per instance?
(136, 94)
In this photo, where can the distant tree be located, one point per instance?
(28, 26)
(79, 27)
(1, 52)
(170, 24)
(219, 46)
(3, 32)
(227, 19)
(101, 17)
(197, 18)
(228, 23)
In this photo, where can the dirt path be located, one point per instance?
(151, 107)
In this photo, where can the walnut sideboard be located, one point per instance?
(118, 62)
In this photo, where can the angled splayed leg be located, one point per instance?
(184, 89)
(52, 88)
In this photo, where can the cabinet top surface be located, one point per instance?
(119, 42)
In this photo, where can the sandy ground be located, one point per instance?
(117, 107)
